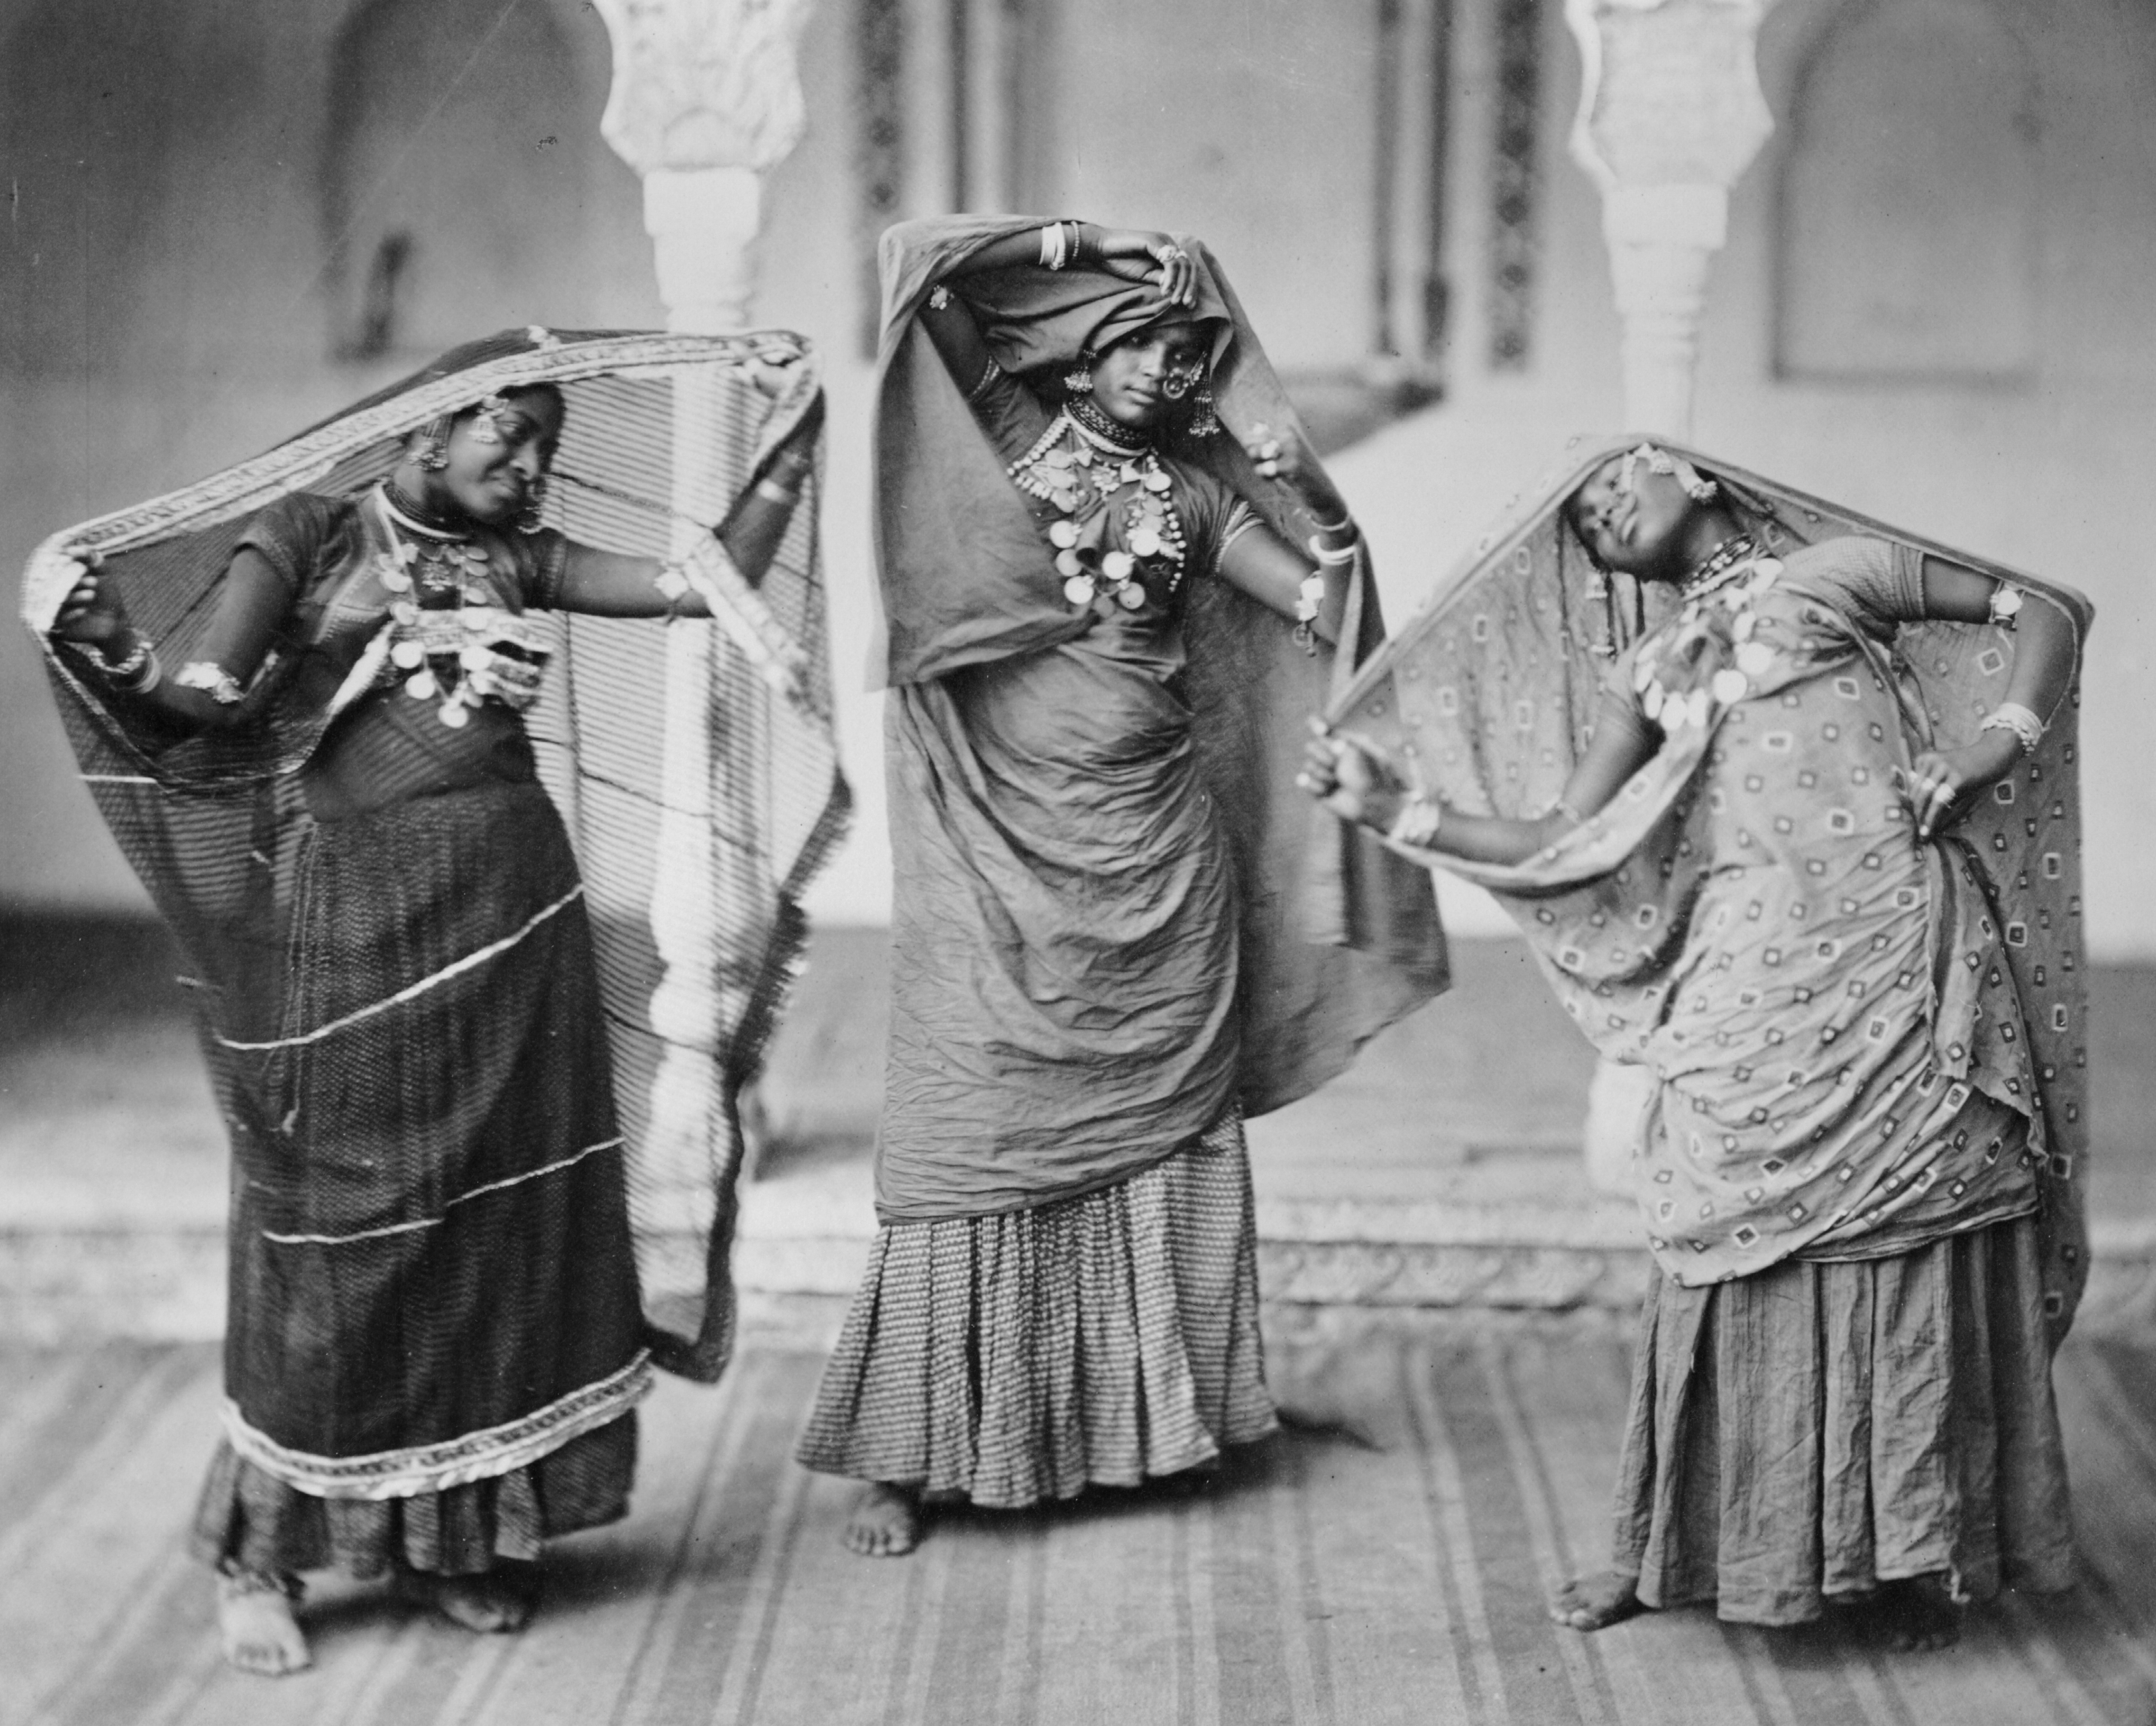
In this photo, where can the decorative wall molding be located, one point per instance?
(1514, 175)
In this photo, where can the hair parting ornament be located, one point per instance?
(1697, 486)
(487, 420)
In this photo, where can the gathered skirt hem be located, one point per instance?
(1799, 1437)
(248, 1519)
(1023, 1356)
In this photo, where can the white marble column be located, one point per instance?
(706, 100)
(1670, 114)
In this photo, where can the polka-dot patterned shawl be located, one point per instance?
(1487, 695)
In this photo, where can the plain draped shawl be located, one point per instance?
(1335, 938)
(1489, 694)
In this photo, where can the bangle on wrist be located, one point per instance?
(1417, 823)
(2011, 716)
(128, 664)
(1347, 519)
(137, 672)
(212, 680)
(1332, 556)
(1309, 596)
(1059, 245)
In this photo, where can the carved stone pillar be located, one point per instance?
(706, 100)
(1670, 114)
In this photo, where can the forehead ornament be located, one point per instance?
(1697, 486)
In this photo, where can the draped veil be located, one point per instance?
(694, 764)
(1487, 695)
(1337, 938)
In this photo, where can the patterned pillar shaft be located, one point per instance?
(1670, 114)
(706, 100)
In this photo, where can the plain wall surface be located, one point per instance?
(190, 228)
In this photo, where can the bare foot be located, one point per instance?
(1917, 1614)
(884, 1522)
(494, 1602)
(255, 1623)
(1590, 1602)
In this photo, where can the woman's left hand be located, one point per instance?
(1282, 456)
(1139, 256)
(1942, 783)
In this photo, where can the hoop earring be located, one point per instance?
(1078, 381)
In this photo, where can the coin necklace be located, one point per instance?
(431, 576)
(1092, 476)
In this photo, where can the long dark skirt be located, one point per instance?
(433, 1291)
(1023, 1356)
(1818, 1429)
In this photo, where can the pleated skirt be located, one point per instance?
(1022, 1357)
(1810, 1433)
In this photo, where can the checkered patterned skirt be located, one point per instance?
(1023, 1356)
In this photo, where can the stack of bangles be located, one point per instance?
(1329, 555)
(2012, 716)
(1417, 823)
(1059, 244)
(138, 673)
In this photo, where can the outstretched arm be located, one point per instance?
(613, 584)
(1354, 778)
(203, 694)
(1943, 783)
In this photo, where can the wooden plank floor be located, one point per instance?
(1384, 1562)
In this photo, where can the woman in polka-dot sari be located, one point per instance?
(1811, 867)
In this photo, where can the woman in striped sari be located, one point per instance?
(435, 1343)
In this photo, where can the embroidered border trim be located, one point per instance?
(436, 1222)
(413, 991)
(459, 1462)
(55, 566)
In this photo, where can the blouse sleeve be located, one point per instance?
(544, 563)
(290, 535)
(1879, 584)
(1008, 413)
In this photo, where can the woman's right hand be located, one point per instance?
(1351, 776)
(1138, 256)
(92, 616)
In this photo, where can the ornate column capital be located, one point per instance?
(706, 100)
(704, 83)
(1670, 114)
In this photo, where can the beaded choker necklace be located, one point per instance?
(1102, 432)
(1728, 560)
(414, 516)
